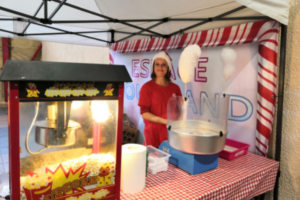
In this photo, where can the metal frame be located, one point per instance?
(14, 140)
(280, 96)
(47, 20)
(106, 19)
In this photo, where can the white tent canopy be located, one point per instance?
(123, 18)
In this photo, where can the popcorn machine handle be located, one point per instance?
(28, 133)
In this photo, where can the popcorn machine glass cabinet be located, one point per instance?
(68, 149)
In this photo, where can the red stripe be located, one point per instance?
(176, 42)
(111, 59)
(183, 38)
(268, 31)
(266, 109)
(161, 44)
(265, 93)
(216, 37)
(116, 46)
(243, 33)
(137, 45)
(166, 43)
(261, 143)
(264, 117)
(197, 40)
(171, 44)
(237, 31)
(146, 44)
(261, 76)
(202, 38)
(268, 54)
(225, 36)
(254, 31)
(156, 45)
(267, 70)
(272, 41)
(150, 44)
(212, 34)
(125, 46)
(260, 151)
(190, 39)
(265, 131)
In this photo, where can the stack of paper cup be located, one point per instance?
(133, 168)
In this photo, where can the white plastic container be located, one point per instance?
(157, 160)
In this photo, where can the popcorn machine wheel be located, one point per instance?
(67, 120)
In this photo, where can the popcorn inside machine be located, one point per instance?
(65, 129)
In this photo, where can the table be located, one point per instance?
(242, 178)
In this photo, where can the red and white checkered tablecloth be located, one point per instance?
(242, 178)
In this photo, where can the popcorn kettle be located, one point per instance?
(55, 131)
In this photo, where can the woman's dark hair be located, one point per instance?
(167, 76)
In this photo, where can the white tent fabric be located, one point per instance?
(131, 9)
(276, 9)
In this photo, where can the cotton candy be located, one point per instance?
(188, 61)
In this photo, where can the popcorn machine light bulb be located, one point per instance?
(76, 104)
(100, 111)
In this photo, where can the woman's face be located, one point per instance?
(160, 67)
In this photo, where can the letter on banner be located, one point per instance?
(129, 91)
(201, 69)
(135, 67)
(212, 106)
(143, 66)
(248, 106)
(138, 87)
(191, 102)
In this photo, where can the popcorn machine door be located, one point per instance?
(76, 160)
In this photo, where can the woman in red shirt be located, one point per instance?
(154, 97)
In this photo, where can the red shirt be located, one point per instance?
(154, 99)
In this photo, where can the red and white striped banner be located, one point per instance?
(265, 33)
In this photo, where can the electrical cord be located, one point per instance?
(28, 133)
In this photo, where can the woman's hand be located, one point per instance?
(153, 118)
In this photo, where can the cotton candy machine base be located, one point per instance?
(196, 137)
(191, 163)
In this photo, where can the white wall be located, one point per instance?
(59, 52)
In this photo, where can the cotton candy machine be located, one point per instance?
(198, 126)
(197, 130)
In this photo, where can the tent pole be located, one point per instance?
(137, 33)
(8, 32)
(160, 20)
(64, 33)
(109, 18)
(57, 8)
(19, 13)
(45, 9)
(208, 20)
(39, 8)
(70, 32)
(112, 36)
(133, 34)
(280, 103)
